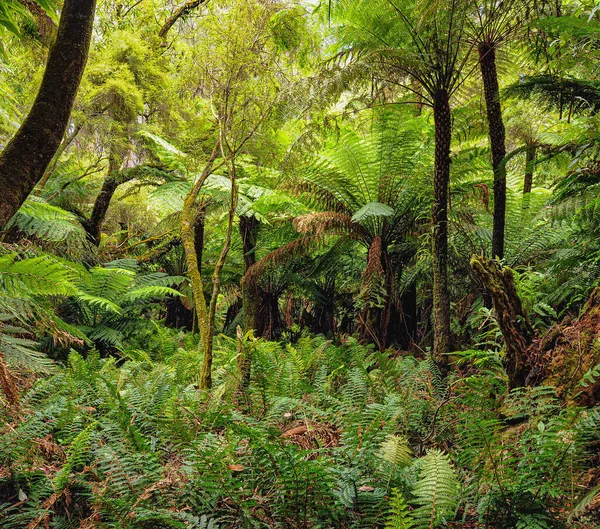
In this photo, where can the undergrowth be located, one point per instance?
(323, 436)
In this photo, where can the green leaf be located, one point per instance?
(373, 209)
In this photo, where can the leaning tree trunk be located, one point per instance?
(93, 226)
(512, 319)
(25, 158)
(115, 178)
(497, 135)
(441, 184)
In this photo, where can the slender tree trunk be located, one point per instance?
(115, 178)
(181, 11)
(441, 184)
(188, 239)
(199, 224)
(206, 371)
(25, 158)
(489, 74)
(112, 181)
(529, 167)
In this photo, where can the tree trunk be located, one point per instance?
(199, 224)
(489, 74)
(512, 319)
(209, 331)
(114, 179)
(441, 184)
(181, 11)
(25, 158)
(249, 231)
(529, 167)
(250, 303)
(45, 25)
(404, 316)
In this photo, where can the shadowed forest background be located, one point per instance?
(299, 264)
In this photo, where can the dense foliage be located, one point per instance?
(300, 264)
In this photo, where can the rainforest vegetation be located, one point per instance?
(299, 264)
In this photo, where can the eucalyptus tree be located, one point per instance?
(426, 44)
(25, 158)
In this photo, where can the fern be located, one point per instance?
(399, 516)
(436, 491)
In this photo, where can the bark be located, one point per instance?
(199, 225)
(181, 11)
(53, 163)
(206, 371)
(269, 323)
(530, 153)
(25, 158)
(441, 184)
(249, 231)
(45, 25)
(250, 303)
(93, 226)
(403, 331)
(512, 319)
(376, 290)
(497, 135)
(188, 239)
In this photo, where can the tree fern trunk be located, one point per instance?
(25, 158)
(489, 74)
(529, 167)
(249, 227)
(441, 183)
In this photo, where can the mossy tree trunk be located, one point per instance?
(188, 239)
(497, 136)
(512, 319)
(206, 312)
(441, 184)
(27, 155)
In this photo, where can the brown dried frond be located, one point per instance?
(50, 449)
(282, 255)
(229, 296)
(59, 336)
(310, 435)
(326, 223)
(8, 382)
